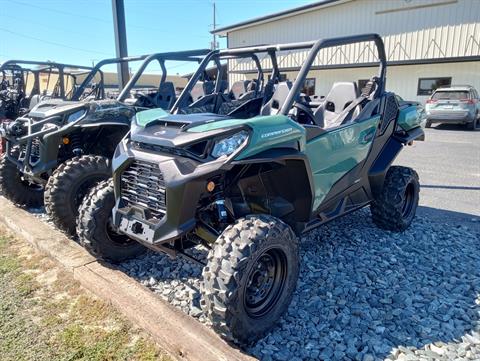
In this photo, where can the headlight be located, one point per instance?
(76, 116)
(229, 145)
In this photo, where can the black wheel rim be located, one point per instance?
(265, 283)
(115, 237)
(409, 201)
(82, 189)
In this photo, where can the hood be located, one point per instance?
(159, 127)
(151, 117)
(178, 130)
(53, 107)
(95, 110)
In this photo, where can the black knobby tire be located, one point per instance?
(395, 207)
(241, 306)
(14, 187)
(94, 227)
(69, 184)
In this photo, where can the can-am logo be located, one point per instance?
(277, 132)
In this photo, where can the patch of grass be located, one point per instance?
(45, 315)
(7, 263)
(90, 309)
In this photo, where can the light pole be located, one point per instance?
(120, 33)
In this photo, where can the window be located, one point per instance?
(309, 87)
(451, 95)
(281, 77)
(362, 83)
(426, 86)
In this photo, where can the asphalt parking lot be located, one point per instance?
(448, 163)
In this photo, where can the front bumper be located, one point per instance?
(184, 182)
(39, 147)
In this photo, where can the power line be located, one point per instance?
(45, 25)
(30, 5)
(52, 42)
(76, 15)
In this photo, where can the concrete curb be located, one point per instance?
(180, 335)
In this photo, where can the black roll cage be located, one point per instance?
(62, 69)
(188, 55)
(328, 43)
(216, 56)
(191, 55)
(271, 50)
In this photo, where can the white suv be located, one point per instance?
(454, 105)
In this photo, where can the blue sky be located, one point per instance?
(81, 31)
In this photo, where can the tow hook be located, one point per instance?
(137, 228)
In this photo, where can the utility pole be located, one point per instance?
(214, 44)
(120, 32)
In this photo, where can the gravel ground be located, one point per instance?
(363, 293)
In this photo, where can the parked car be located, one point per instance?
(454, 105)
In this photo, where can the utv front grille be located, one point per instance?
(142, 184)
(160, 149)
(195, 151)
(35, 152)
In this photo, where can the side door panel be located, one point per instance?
(338, 151)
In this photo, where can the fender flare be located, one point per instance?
(290, 157)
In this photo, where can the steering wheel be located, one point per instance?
(147, 101)
(302, 106)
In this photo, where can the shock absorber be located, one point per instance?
(219, 198)
(76, 143)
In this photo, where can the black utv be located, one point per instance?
(24, 83)
(64, 147)
(245, 178)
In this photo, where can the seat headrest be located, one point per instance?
(166, 94)
(197, 91)
(278, 98)
(238, 89)
(341, 94)
(167, 87)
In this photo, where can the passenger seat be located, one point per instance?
(339, 97)
(273, 106)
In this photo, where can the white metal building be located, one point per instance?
(428, 42)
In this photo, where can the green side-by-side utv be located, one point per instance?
(246, 176)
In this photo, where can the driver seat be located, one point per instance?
(166, 95)
(339, 97)
(273, 106)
